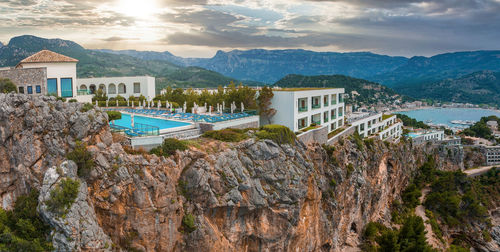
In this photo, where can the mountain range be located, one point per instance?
(100, 64)
(443, 73)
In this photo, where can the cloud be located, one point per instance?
(404, 27)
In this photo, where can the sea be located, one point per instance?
(444, 116)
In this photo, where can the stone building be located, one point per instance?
(28, 81)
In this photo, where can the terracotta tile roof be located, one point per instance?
(46, 56)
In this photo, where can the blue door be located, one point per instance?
(66, 87)
(52, 87)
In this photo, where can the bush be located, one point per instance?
(63, 196)
(114, 115)
(22, 229)
(169, 147)
(226, 135)
(83, 159)
(7, 86)
(60, 99)
(72, 100)
(86, 107)
(277, 133)
(188, 223)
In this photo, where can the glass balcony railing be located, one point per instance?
(316, 106)
(67, 93)
(83, 92)
(302, 109)
(317, 122)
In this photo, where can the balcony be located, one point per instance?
(302, 109)
(316, 106)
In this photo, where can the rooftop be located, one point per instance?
(46, 56)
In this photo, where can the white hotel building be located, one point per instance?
(386, 127)
(298, 108)
(123, 86)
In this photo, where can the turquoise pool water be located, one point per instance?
(412, 135)
(160, 123)
(445, 115)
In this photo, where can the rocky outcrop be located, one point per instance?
(78, 228)
(35, 133)
(249, 196)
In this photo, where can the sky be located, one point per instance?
(198, 28)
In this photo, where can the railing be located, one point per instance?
(317, 122)
(302, 109)
(316, 106)
(146, 129)
(83, 92)
(67, 93)
(334, 102)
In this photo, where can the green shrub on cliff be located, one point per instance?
(188, 222)
(277, 133)
(226, 135)
(114, 115)
(169, 147)
(22, 229)
(86, 107)
(63, 196)
(83, 159)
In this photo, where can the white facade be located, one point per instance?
(426, 136)
(123, 86)
(298, 109)
(388, 128)
(58, 71)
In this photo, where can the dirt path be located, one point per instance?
(420, 211)
(478, 171)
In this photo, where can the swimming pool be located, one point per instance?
(413, 135)
(160, 123)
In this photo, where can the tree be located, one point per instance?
(264, 103)
(7, 86)
(100, 96)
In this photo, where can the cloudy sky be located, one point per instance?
(201, 27)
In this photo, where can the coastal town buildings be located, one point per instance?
(299, 108)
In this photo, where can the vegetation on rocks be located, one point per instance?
(169, 147)
(7, 86)
(277, 133)
(188, 222)
(86, 107)
(63, 196)
(114, 115)
(83, 159)
(22, 229)
(227, 135)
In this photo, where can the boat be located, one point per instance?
(462, 122)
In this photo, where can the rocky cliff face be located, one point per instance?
(249, 196)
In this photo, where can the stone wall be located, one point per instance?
(319, 135)
(24, 77)
(347, 132)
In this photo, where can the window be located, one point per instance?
(341, 98)
(302, 104)
(302, 122)
(38, 89)
(112, 89)
(30, 90)
(325, 100)
(333, 114)
(52, 86)
(334, 99)
(137, 88)
(333, 126)
(21, 90)
(122, 89)
(316, 102)
(66, 87)
(325, 116)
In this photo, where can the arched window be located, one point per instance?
(103, 88)
(83, 87)
(122, 89)
(112, 89)
(92, 88)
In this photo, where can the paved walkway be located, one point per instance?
(478, 171)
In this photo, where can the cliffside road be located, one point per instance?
(420, 211)
(478, 171)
